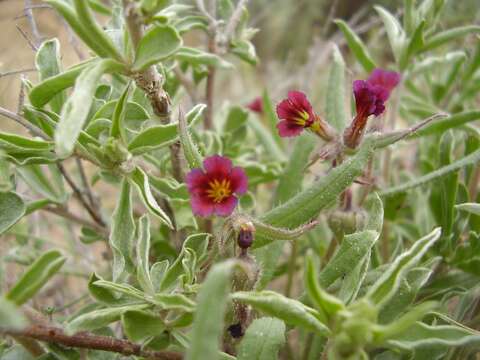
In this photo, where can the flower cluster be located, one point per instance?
(296, 114)
(370, 97)
(213, 188)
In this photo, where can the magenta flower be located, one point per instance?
(256, 105)
(296, 114)
(213, 188)
(370, 97)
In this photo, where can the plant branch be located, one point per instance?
(78, 193)
(17, 118)
(150, 82)
(75, 218)
(84, 340)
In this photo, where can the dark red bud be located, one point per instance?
(245, 238)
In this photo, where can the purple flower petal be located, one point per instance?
(226, 207)
(195, 179)
(239, 180)
(218, 165)
(385, 79)
(287, 129)
(201, 206)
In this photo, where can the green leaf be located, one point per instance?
(17, 143)
(190, 149)
(404, 322)
(396, 35)
(97, 319)
(208, 319)
(262, 340)
(289, 310)
(94, 31)
(307, 204)
(472, 208)
(143, 251)
(44, 92)
(118, 127)
(423, 335)
(158, 43)
(35, 277)
(140, 325)
(76, 109)
(101, 294)
(173, 302)
(353, 281)
(327, 304)
(388, 283)
(10, 316)
(47, 61)
(72, 19)
(405, 294)
(50, 187)
(335, 104)
(122, 233)
(414, 45)
(357, 46)
(450, 122)
(12, 208)
(159, 136)
(199, 57)
(352, 251)
(470, 159)
(446, 36)
(141, 182)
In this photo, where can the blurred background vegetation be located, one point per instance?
(292, 43)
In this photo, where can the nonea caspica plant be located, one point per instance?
(184, 190)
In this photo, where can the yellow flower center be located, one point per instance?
(302, 118)
(219, 190)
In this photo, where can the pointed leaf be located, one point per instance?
(158, 43)
(12, 208)
(35, 277)
(262, 340)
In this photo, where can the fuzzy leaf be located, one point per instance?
(470, 159)
(209, 317)
(357, 46)
(47, 61)
(158, 43)
(352, 251)
(141, 182)
(473, 208)
(262, 340)
(140, 325)
(97, 319)
(45, 91)
(122, 233)
(307, 204)
(159, 136)
(423, 335)
(35, 277)
(12, 208)
(143, 251)
(289, 310)
(76, 109)
(388, 283)
(449, 35)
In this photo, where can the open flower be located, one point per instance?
(370, 97)
(296, 114)
(256, 105)
(213, 188)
